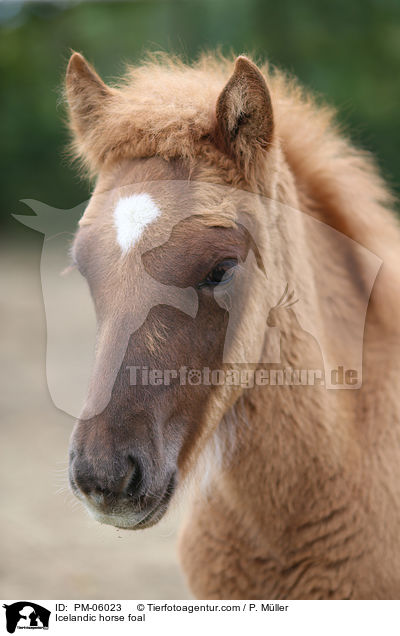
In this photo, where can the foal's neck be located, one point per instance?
(289, 450)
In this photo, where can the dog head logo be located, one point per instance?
(26, 615)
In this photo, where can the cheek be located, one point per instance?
(210, 330)
(250, 322)
(192, 342)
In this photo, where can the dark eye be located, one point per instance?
(220, 274)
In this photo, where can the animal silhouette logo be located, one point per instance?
(26, 615)
(284, 319)
(286, 301)
(330, 329)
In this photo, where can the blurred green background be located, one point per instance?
(347, 51)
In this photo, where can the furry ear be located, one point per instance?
(87, 98)
(244, 113)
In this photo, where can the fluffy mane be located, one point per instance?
(166, 108)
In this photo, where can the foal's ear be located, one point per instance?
(87, 96)
(244, 113)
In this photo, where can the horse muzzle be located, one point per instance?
(121, 494)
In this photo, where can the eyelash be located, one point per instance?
(218, 272)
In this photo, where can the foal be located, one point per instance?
(224, 177)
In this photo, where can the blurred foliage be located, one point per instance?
(347, 51)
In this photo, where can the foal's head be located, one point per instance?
(162, 244)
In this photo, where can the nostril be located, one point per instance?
(105, 483)
(133, 481)
(79, 480)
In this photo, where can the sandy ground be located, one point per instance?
(51, 548)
